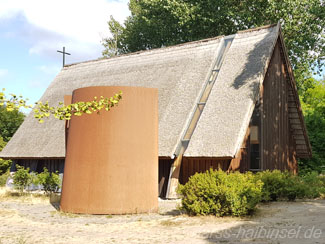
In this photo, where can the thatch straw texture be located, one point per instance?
(225, 118)
(178, 72)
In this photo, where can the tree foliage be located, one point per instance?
(112, 45)
(313, 103)
(9, 122)
(157, 23)
(62, 112)
(4, 164)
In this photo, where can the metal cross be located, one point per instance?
(64, 53)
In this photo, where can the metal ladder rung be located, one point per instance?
(201, 103)
(215, 70)
(185, 140)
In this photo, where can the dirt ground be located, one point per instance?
(35, 220)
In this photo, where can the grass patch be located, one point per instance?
(170, 223)
(11, 195)
(21, 240)
(69, 215)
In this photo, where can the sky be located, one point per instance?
(32, 31)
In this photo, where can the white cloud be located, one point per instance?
(49, 69)
(3, 72)
(77, 24)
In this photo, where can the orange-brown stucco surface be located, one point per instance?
(111, 162)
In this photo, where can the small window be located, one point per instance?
(254, 135)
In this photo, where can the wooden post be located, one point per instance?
(174, 178)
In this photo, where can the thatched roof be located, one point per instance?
(232, 99)
(179, 73)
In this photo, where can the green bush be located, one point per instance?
(294, 187)
(284, 185)
(220, 194)
(313, 183)
(3, 178)
(273, 184)
(236, 194)
(22, 178)
(4, 164)
(50, 182)
(277, 184)
(322, 187)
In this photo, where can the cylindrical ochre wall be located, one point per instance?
(111, 164)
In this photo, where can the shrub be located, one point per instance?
(50, 182)
(279, 184)
(22, 178)
(322, 187)
(294, 187)
(313, 183)
(3, 178)
(273, 184)
(4, 165)
(220, 194)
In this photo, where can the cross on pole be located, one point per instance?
(64, 53)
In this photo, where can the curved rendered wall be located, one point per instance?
(111, 164)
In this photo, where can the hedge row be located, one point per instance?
(235, 194)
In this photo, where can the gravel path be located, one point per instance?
(279, 222)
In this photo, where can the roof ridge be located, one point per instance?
(170, 47)
(257, 28)
(147, 51)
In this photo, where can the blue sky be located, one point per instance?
(32, 31)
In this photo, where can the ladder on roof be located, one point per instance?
(204, 94)
(224, 46)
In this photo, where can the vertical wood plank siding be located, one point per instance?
(38, 165)
(242, 160)
(163, 175)
(277, 142)
(278, 150)
(190, 166)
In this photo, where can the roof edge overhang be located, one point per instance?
(293, 84)
(210, 157)
(251, 109)
(295, 93)
(15, 158)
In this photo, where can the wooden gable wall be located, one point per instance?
(277, 145)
